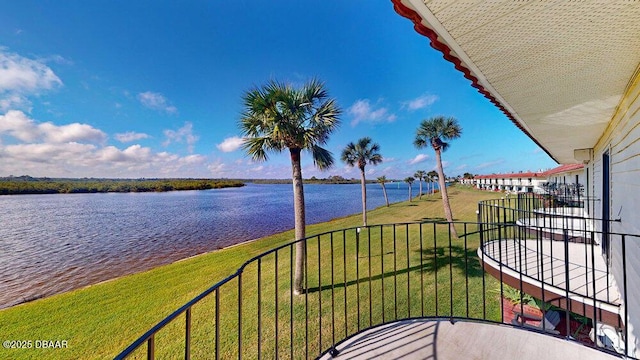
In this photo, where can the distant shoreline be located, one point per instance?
(26, 185)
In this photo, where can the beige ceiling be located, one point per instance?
(558, 67)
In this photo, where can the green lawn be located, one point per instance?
(101, 320)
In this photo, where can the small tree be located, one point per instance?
(362, 153)
(409, 181)
(420, 174)
(382, 180)
(432, 176)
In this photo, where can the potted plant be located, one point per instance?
(514, 301)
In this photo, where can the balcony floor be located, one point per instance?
(544, 260)
(542, 264)
(441, 340)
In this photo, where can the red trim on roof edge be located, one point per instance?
(557, 170)
(421, 29)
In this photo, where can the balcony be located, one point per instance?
(406, 290)
(547, 248)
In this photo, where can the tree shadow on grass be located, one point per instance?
(366, 279)
(456, 257)
(433, 219)
(433, 260)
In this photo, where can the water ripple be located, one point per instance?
(56, 243)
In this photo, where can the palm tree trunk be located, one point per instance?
(420, 188)
(363, 183)
(299, 214)
(409, 192)
(384, 191)
(445, 194)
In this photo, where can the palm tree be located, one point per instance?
(435, 132)
(432, 176)
(409, 181)
(420, 174)
(382, 180)
(362, 153)
(278, 116)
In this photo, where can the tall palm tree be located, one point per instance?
(409, 181)
(278, 116)
(362, 153)
(420, 174)
(435, 132)
(382, 180)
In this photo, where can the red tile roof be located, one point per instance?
(564, 168)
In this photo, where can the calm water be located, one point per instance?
(56, 243)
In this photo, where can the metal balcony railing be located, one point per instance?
(547, 247)
(355, 279)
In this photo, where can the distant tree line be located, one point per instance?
(335, 179)
(31, 185)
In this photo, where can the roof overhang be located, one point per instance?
(557, 69)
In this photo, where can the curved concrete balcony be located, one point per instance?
(547, 247)
(559, 223)
(573, 276)
(444, 340)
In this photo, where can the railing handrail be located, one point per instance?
(169, 318)
(482, 227)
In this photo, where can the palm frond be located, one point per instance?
(322, 157)
(362, 152)
(278, 116)
(257, 148)
(420, 142)
(433, 130)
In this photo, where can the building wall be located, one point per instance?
(622, 140)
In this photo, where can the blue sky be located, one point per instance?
(153, 88)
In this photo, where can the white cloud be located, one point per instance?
(419, 159)
(184, 134)
(489, 164)
(193, 159)
(70, 133)
(21, 77)
(46, 153)
(130, 136)
(156, 101)
(230, 144)
(77, 150)
(216, 167)
(362, 111)
(9, 101)
(58, 59)
(420, 102)
(17, 125)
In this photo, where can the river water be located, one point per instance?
(55, 243)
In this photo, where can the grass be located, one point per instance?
(101, 320)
